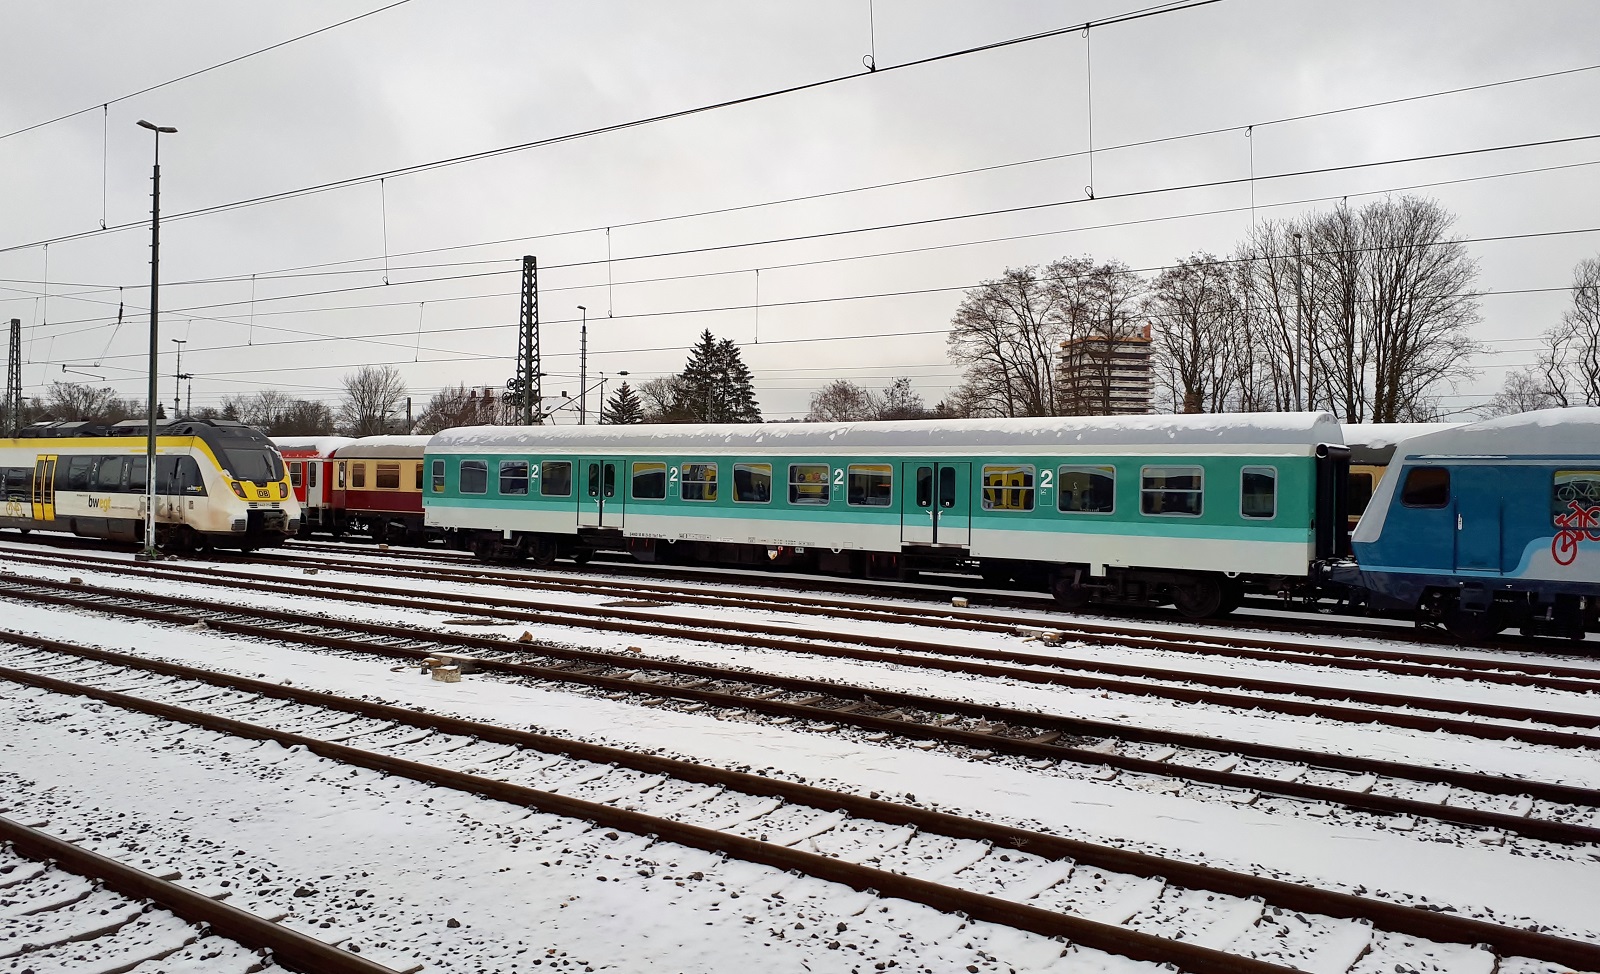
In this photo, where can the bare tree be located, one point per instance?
(1363, 312)
(900, 401)
(457, 406)
(1569, 365)
(1524, 390)
(842, 401)
(1197, 314)
(76, 401)
(663, 400)
(1005, 333)
(374, 400)
(1099, 308)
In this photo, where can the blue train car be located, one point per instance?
(1488, 526)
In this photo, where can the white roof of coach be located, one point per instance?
(1296, 431)
(322, 445)
(383, 446)
(1544, 432)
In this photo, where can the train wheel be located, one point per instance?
(1068, 593)
(542, 552)
(1200, 597)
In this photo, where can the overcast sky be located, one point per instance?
(430, 80)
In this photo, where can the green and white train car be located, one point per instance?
(1135, 510)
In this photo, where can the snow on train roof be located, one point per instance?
(1543, 432)
(321, 445)
(383, 446)
(1375, 442)
(1297, 431)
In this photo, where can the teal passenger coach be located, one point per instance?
(1187, 510)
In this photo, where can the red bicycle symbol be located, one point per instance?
(1578, 524)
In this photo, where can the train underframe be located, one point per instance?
(1194, 594)
(261, 529)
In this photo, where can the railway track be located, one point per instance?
(67, 908)
(1189, 686)
(1309, 620)
(1199, 766)
(1200, 918)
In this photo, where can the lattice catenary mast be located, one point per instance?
(524, 389)
(11, 408)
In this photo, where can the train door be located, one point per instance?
(936, 503)
(600, 497)
(44, 489)
(1478, 493)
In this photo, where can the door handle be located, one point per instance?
(1458, 522)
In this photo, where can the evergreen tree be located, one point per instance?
(737, 388)
(624, 408)
(715, 385)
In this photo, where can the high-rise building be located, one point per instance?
(1097, 376)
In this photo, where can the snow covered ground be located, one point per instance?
(391, 864)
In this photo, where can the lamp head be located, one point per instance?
(156, 128)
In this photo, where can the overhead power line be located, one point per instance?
(1129, 17)
(205, 70)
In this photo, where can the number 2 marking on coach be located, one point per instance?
(838, 477)
(674, 472)
(1047, 479)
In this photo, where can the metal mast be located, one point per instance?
(525, 386)
(11, 409)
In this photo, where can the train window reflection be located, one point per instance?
(699, 481)
(555, 478)
(1572, 491)
(808, 484)
(1008, 487)
(514, 477)
(388, 477)
(438, 476)
(869, 485)
(1086, 490)
(1171, 491)
(752, 483)
(649, 481)
(1426, 487)
(474, 476)
(1258, 492)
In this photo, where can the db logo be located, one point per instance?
(261, 492)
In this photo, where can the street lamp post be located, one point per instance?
(583, 368)
(150, 553)
(177, 379)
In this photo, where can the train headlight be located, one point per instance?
(283, 490)
(237, 489)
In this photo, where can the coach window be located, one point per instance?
(1574, 491)
(80, 471)
(1360, 493)
(1258, 492)
(438, 476)
(869, 484)
(752, 483)
(108, 474)
(419, 475)
(699, 481)
(514, 477)
(1086, 490)
(296, 476)
(555, 478)
(136, 475)
(1008, 487)
(388, 476)
(474, 476)
(340, 484)
(808, 484)
(1426, 487)
(1171, 491)
(311, 473)
(649, 481)
(358, 475)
